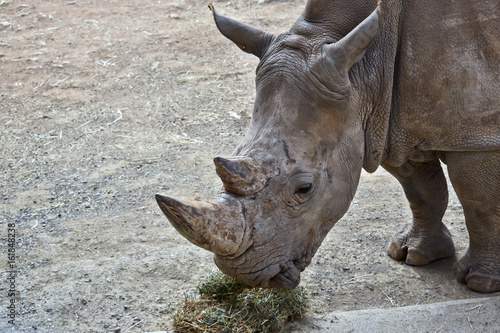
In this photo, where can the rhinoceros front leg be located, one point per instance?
(476, 179)
(427, 239)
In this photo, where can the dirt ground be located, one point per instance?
(104, 104)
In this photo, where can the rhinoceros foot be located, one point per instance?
(480, 275)
(418, 248)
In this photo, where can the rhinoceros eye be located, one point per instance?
(302, 187)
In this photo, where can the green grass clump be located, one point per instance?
(227, 305)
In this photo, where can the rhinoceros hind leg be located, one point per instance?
(476, 179)
(427, 239)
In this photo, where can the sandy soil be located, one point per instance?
(104, 104)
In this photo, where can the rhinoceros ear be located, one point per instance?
(249, 39)
(351, 49)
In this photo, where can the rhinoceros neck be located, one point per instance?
(373, 80)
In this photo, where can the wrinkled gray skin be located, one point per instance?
(404, 85)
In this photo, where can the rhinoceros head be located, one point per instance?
(296, 171)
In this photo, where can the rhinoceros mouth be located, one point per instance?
(284, 275)
(287, 278)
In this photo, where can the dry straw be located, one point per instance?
(227, 305)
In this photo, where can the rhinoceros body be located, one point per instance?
(404, 85)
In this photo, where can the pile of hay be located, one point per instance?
(227, 305)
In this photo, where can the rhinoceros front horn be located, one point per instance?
(217, 226)
(240, 175)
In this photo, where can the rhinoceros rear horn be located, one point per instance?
(240, 175)
(217, 226)
(350, 49)
(249, 39)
